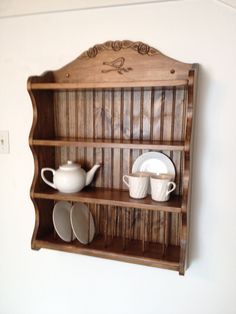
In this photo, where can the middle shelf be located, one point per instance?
(113, 197)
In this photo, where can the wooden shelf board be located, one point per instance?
(152, 256)
(108, 143)
(90, 85)
(112, 197)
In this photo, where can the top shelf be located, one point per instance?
(91, 85)
(111, 143)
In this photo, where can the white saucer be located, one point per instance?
(82, 223)
(61, 221)
(154, 162)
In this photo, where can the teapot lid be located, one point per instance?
(70, 165)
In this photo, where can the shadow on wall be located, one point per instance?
(203, 170)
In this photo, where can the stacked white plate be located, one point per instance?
(154, 162)
(72, 222)
(82, 223)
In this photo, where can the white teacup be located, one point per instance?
(138, 184)
(146, 174)
(161, 187)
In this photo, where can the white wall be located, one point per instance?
(51, 282)
(25, 7)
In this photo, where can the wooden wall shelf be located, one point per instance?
(107, 248)
(108, 85)
(113, 103)
(107, 143)
(113, 197)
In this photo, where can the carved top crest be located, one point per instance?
(121, 63)
(117, 45)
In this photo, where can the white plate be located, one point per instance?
(82, 223)
(61, 221)
(154, 162)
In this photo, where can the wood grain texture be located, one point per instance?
(114, 251)
(108, 85)
(112, 197)
(109, 143)
(116, 101)
(42, 218)
(102, 67)
(111, 138)
(187, 160)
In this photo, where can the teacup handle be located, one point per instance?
(45, 180)
(126, 177)
(172, 189)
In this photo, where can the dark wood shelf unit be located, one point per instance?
(113, 103)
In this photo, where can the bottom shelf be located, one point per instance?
(133, 251)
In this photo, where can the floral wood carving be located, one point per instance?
(117, 65)
(117, 45)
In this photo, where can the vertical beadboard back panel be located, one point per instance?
(137, 113)
(149, 114)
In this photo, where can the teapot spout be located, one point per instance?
(90, 174)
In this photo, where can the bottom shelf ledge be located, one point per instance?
(113, 248)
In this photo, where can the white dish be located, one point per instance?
(82, 223)
(154, 162)
(61, 221)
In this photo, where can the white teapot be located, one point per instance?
(70, 177)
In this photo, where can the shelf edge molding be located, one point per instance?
(106, 253)
(107, 85)
(112, 198)
(100, 143)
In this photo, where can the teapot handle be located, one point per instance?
(45, 180)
